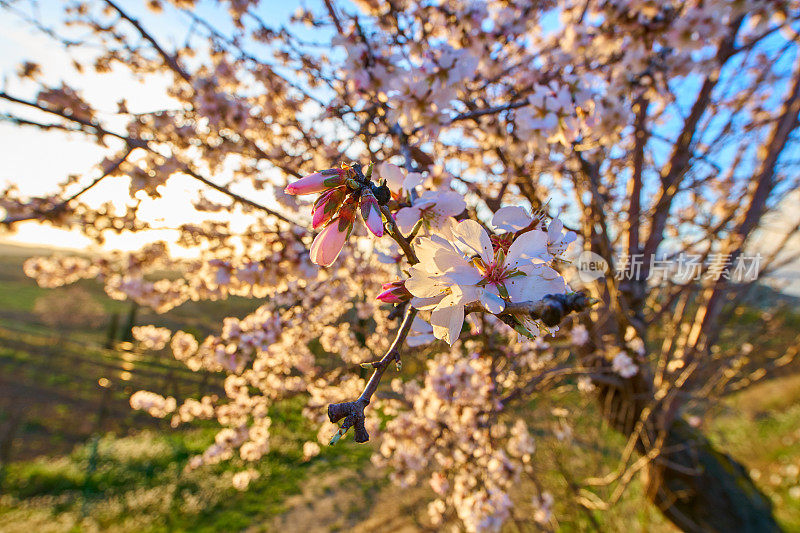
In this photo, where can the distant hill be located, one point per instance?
(763, 296)
(26, 251)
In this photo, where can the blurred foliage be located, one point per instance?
(69, 308)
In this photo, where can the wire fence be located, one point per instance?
(51, 385)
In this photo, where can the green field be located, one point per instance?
(76, 457)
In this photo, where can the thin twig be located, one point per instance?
(168, 59)
(397, 235)
(146, 145)
(353, 412)
(63, 204)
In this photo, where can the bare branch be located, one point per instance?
(353, 412)
(169, 60)
(147, 145)
(62, 205)
(551, 309)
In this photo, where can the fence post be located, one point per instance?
(91, 466)
(112, 331)
(127, 335)
(204, 383)
(106, 386)
(7, 443)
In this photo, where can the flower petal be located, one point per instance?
(491, 300)
(406, 218)
(425, 304)
(328, 244)
(412, 181)
(393, 175)
(421, 333)
(463, 275)
(511, 218)
(449, 204)
(528, 249)
(316, 182)
(427, 248)
(473, 236)
(541, 281)
(373, 221)
(554, 230)
(448, 318)
(424, 285)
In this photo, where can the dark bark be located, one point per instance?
(694, 485)
(700, 488)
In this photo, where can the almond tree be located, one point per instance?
(441, 141)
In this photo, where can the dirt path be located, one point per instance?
(353, 501)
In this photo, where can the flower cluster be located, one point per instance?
(155, 404)
(457, 263)
(151, 337)
(623, 365)
(342, 191)
(493, 270)
(446, 436)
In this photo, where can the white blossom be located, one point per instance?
(624, 365)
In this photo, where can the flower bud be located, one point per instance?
(371, 212)
(329, 242)
(394, 292)
(327, 205)
(317, 182)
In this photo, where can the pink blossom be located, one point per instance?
(317, 182)
(434, 208)
(329, 243)
(394, 292)
(327, 205)
(371, 213)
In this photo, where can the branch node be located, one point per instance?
(353, 415)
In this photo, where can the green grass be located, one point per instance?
(139, 483)
(122, 480)
(761, 428)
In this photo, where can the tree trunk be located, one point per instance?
(697, 487)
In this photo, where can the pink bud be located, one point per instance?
(329, 243)
(317, 182)
(394, 292)
(371, 213)
(388, 297)
(327, 205)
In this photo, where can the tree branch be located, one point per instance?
(134, 142)
(62, 205)
(397, 235)
(551, 309)
(353, 412)
(682, 153)
(489, 110)
(170, 60)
